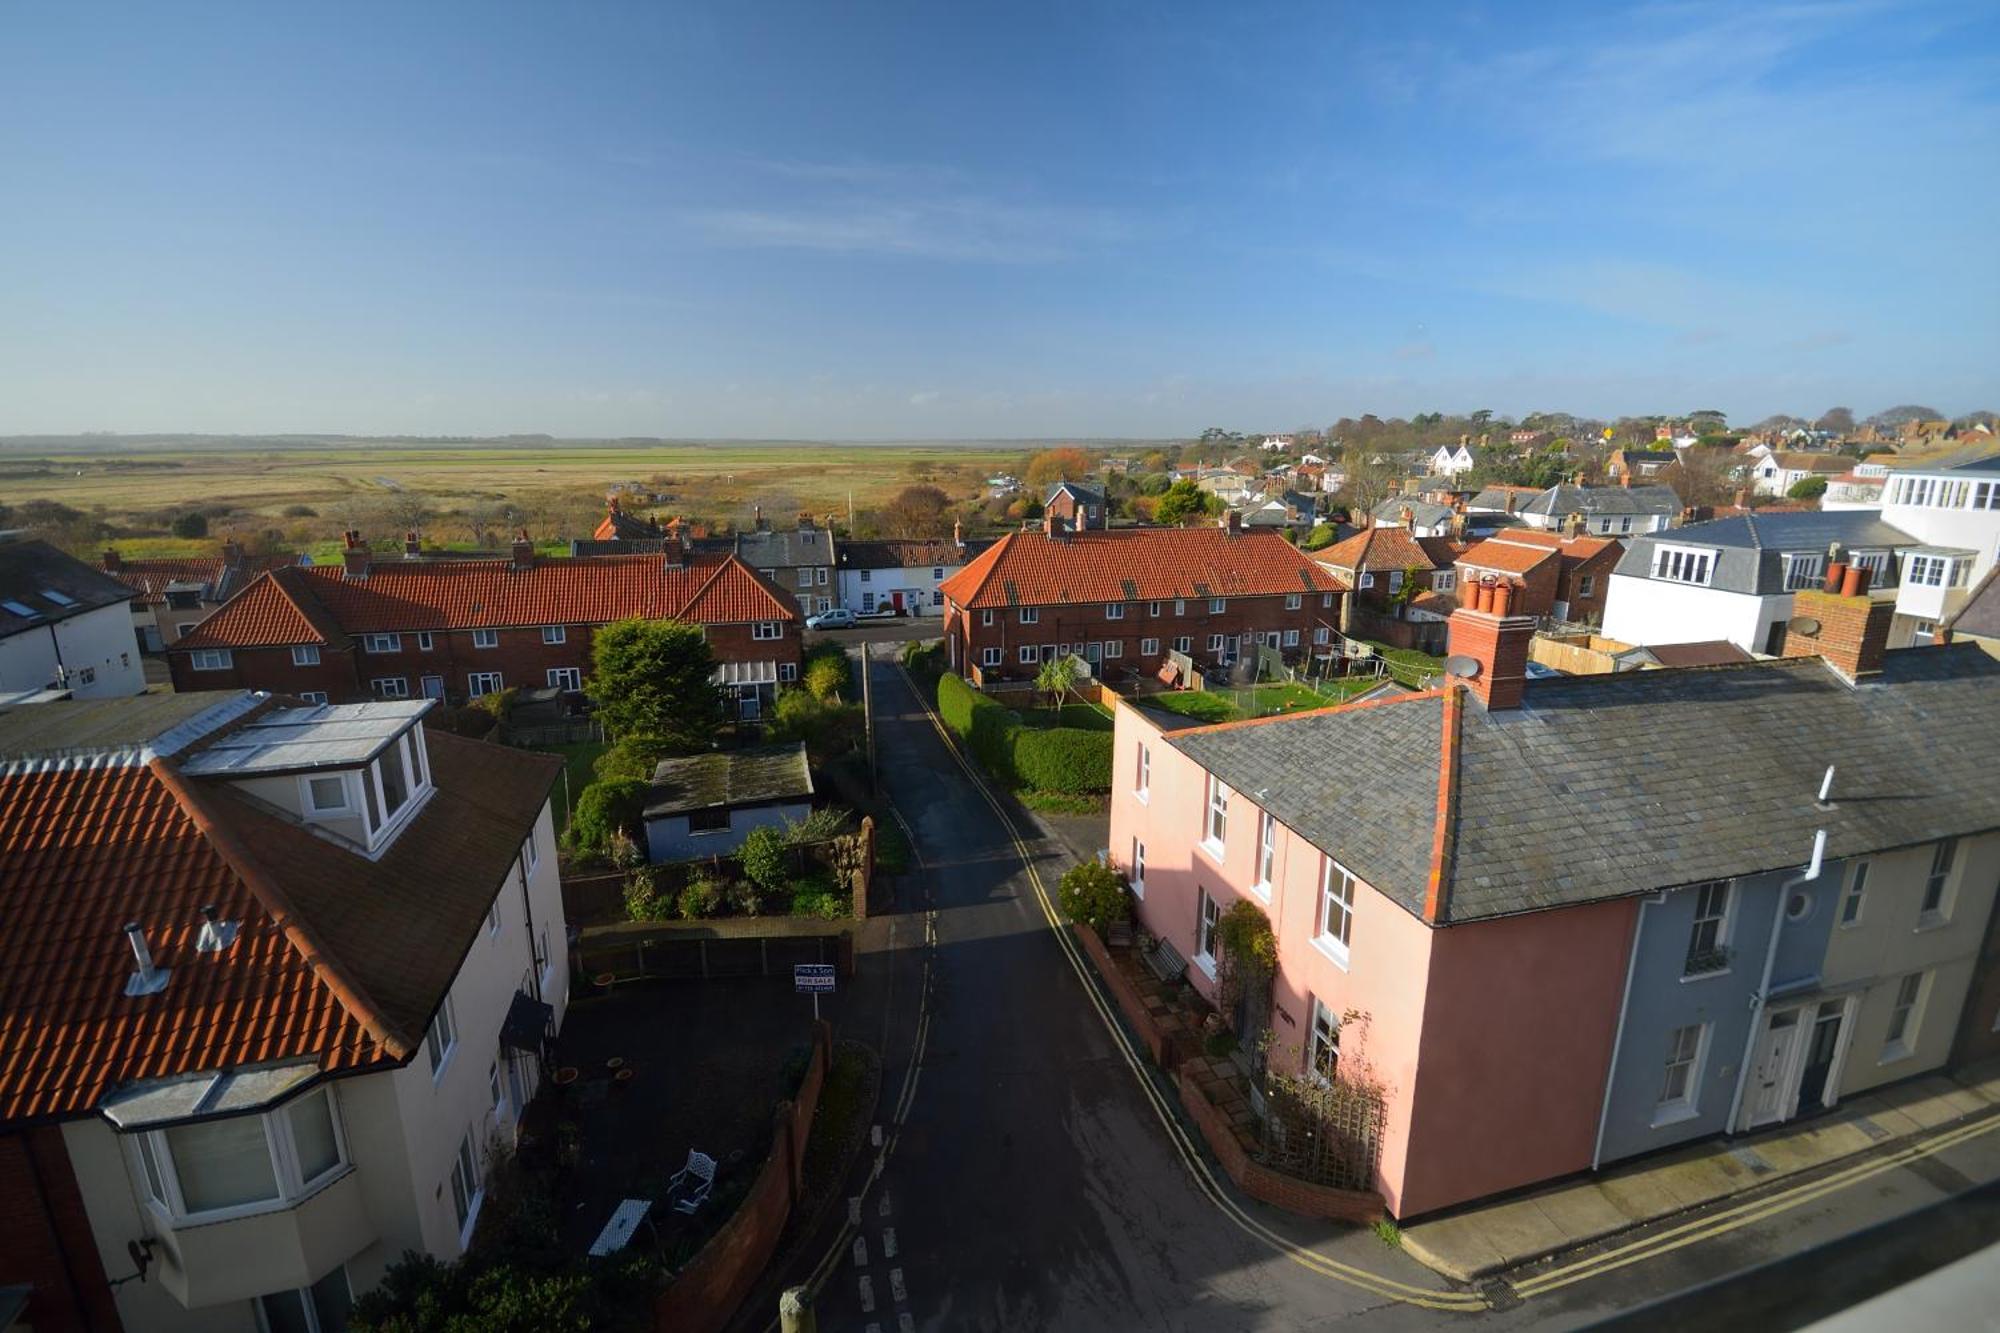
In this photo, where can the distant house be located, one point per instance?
(1378, 563)
(1735, 578)
(1631, 466)
(903, 576)
(173, 594)
(1078, 507)
(1777, 472)
(1421, 517)
(619, 526)
(64, 625)
(1561, 577)
(1606, 511)
(800, 561)
(1449, 460)
(1951, 506)
(706, 804)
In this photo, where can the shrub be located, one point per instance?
(1807, 488)
(983, 724)
(818, 826)
(1247, 938)
(744, 898)
(500, 703)
(765, 859)
(827, 674)
(604, 806)
(1321, 537)
(1094, 894)
(623, 850)
(815, 895)
(631, 757)
(1061, 759)
(299, 511)
(921, 656)
(827, 726)
(644, 898)
(700, 897)
(190, 524)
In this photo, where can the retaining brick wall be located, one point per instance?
(1159, 1044)
(1261, 1182)
(45, 1236)
(703, 1299)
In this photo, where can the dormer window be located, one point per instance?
(327, 795)
(1803, 570)
(1682, 564)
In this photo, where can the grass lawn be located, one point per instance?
(1407, 665)
(1260, 701)
(1083, 717)
(577, 760)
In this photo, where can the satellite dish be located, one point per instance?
(1805, 626)
(1458, 664)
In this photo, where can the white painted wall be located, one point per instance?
(1975, 529)
(102, 640)
(1643, 611)
(917, 586)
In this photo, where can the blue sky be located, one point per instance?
(935, 221)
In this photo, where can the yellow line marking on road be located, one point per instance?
(1757, 1210)
(1205, 1181)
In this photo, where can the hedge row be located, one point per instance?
(1054, 759)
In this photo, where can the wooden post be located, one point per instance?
(795, 1312)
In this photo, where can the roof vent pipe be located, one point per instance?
(1826, 787)
(148, 980)
(216, 934)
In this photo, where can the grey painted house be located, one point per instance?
(706, 804)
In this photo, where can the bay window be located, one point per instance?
(205, 1170)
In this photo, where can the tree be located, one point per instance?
(1896, 416)
(1367, 483)
(1068, 463)
(1180, 501)
(606, 807)
(1055, 677)
(191, 524)
(916, 512)
(654, 678)
(1807, 488)
(1702, 476)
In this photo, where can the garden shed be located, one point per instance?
(706, 804)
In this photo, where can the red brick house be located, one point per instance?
(1126, 598)
(1378, 561)
(457, 629)
(1077, 507)
(1565, 577)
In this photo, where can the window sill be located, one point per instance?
(1142, 795)
(1334, 950)
(1705, 976)
(1206, 964)
(1678, 1113)
(1930, 921)
(1262, 889)
(1895, 1051)
(1215, 850)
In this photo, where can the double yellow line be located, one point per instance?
(1742, 1215)
(1197, 1166)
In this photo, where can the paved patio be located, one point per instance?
(1483, 1240)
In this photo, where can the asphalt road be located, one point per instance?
(1033, 1184)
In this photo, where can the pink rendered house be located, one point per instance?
(1491, 1036)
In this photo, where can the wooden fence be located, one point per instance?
(708, 950)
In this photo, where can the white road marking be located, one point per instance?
(896, 1287)
(854, 1211)
(888, 1242)
(861, 1252)
(867, 1288)
(875, 1135)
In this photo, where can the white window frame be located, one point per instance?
(1114, 610)
(1114, 647)
(1934, 908)
(1333, 934)
(991, 657)
(555, 634)
(1152, 610)
(1031, 615)
(1217, 605)
(1291, 638)
(569, 679)
(1184, 643)
(1138, 878)
(1323, 634)
(425, 641)
(1215, 817)
(313, 696)
(467, 1185)
(1180, 606)
(479, 683)
(1294, 601)
(305, 1297)
(1906, 1017)
(441, 1039)
(152, 1156)
(309, 802)
(1267, 854)
(1804, 570)
(1323, 1037)
(1444, 580)
(1142, 774)
(787, 672)
(1671, 1107)
(486, 638)
(381, 643)
(1029, 655)
(1854, 902)
(305, 654)
(989, 617)
(1207, 924)
(1693, 565)
(211, 659)
(1707, 912)
(766, 630)
(390, 687)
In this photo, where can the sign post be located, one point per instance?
(813, 979)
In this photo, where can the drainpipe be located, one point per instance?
(1618, 1038)
(1759, 1000)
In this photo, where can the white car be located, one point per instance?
(838, 618)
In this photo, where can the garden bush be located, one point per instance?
(765, 859)
(700, 897)
(645, 899)
(1094, 894)
(816, 895)
(604, 806)
(631, 757)
(1062, 759)
(744, 898)
(828, 673)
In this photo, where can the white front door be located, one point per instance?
(1773, 1070)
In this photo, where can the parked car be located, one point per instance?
(838, 618)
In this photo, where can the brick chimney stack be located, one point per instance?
(412, 547)
(1232, 523)
(113, 562)
(1485, 629)
(958, 533)
(523, 554)
(353, 555)
(232, 552)
(1853, 627)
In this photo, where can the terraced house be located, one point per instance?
(1571, 920)
(1126, 598)
(457, 629)
(279, 979)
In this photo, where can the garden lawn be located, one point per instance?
(1082, 717)
(1406, 664)
(578, 759)
(1260, 701)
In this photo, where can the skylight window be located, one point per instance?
(20, 610)
(52, 595)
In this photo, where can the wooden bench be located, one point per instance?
(1164, 961)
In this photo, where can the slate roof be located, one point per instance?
(909, 554)
(220, 579)
(773, 549)
(31, 570)
(322, 605)
(1083, 495)
(1134, 564)
(755, 776)
(336, 959)
(1561, 501)
(1601, 787)
(1980, 615)
(1424, 513)
(1496, 498)
(1709, 652)
(1750, 546)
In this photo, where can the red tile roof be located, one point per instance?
(322, 605)
(1573, 548)
(336, 958)
(1134, 564)
(1507, 557)
(150, 577)
(1377, 548)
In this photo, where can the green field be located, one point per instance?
(1227, 705)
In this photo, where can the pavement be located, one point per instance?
(1482, 1240)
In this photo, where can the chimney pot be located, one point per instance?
(958, 533)
(1836, 574)
(112, 560)
(523, 553)
(354, 557)
(412, 548)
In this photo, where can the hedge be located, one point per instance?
(1057, 759)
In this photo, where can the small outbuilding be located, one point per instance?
(706, 804)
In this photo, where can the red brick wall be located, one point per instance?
(1598, 568)
(1066, 625)
(520, 656)
(45, 1238)
(1260, 1182)
(1535, 592)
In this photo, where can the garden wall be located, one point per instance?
(702, 950)
(704, 1297)
(1261, 1182)
(1069, 760)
